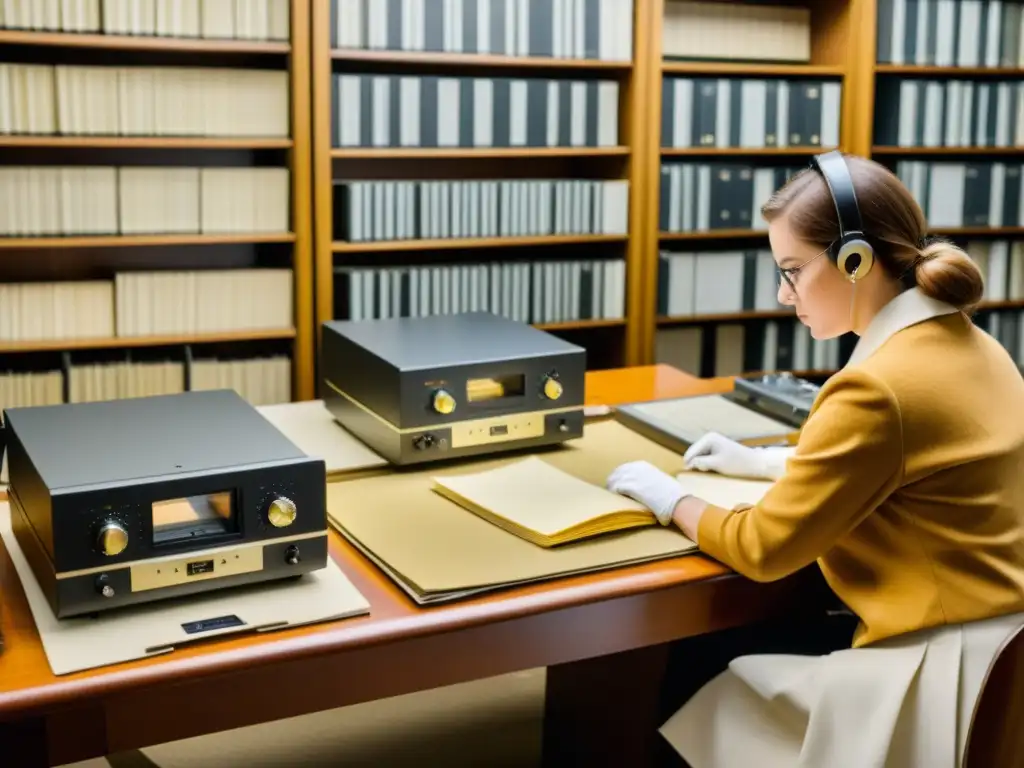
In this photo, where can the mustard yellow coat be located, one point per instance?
(907, 488)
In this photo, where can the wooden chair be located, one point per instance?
(996, 735)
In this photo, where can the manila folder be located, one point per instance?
(542, 503)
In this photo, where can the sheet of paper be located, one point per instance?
(147, 629)
(311, 427)
(535, 495)
(722, 491)
(440, 547)
(693, 417)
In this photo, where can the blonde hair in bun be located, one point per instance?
(946, 273)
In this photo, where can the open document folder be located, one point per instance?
(438, 551)
(543, 504)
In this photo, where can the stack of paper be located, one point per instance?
(437, 550)
(543, 504)
(314, 431)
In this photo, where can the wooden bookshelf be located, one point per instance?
(880, 72)
(612, 341)
(844, 44)
(835, 55)
(78, 257)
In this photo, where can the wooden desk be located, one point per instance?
(399, 648)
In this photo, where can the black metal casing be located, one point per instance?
(74, 468)
(378, 378)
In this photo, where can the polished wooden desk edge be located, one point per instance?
(357, 632)
(230, 654)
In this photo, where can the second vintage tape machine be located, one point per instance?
(129, 501)
(421, 389)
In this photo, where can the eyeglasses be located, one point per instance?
(789, 274)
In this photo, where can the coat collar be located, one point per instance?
(908, 308)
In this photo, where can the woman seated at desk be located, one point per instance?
(906, 487)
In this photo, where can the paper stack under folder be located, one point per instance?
(439, 550)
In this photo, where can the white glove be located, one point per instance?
(645, 483)
(717, 453)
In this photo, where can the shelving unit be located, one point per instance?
(161, 225)
(892, 55)
(834, 53)
(460, 253)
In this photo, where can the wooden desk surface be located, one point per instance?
(397, 649)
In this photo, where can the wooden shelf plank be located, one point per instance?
(742, 151)
(130, 241)
(140, 43)
(581, 325)
(725, 317)
(751, 68)
(404, 153)
(470, 242)
(712, 234)
(121, 342)
(987, 231)
(882, 150)
(144, 142)
(474, 59)
(917, 69)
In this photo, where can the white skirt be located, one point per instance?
(902, 703)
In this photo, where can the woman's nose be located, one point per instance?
(786, 295)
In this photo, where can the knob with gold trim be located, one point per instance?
(281, 512)
(111, 539)
(443, 402)
(552, 388)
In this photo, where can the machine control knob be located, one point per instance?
(443, 402)
(103, 586)
(291, 555)
(281, 512)
(422, 442)
(552, 388)
(111, 539)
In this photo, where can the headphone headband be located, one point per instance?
(852, 253)
(836, 174)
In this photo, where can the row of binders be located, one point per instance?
(732, 349)
(208, 301)
(562, 29)
(143, 101)
(949, 113)
(957, 194)
(1007, 327)
(147, 304)
(951, 33)
(716, 282)
(697, 197)
(411, 210)
(1002, 264)
(528, 292)
(749, 113)
(260, 380)
(85, 200)
(432, 111)
(213, 19)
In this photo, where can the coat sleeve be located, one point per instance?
(848, 459)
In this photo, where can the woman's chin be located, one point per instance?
(818, 332)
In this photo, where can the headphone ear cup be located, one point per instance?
(855, 259)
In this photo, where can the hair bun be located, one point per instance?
(946, 273)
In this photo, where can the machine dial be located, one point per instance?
(443, 402)
(112, 538)
(552, 388)
(281, 512)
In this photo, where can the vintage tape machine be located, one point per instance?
(129, 501)
(422, 389)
